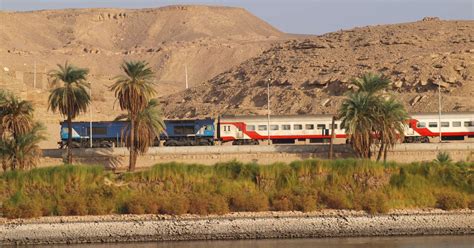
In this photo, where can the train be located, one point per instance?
(276, 129)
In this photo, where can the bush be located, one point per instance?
(449, 200)
(375, 203)
(175, 205)
(72, 205)
(335, 199)
(205, 203)
(25, 209)
(245, 201)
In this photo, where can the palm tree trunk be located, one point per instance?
(69, 137)
(382, 145)
(385, 154)
(131, 165)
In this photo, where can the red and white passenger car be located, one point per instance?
(241, 130)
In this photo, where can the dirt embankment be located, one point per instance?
(330, 223)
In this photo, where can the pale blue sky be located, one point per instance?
(293, 16)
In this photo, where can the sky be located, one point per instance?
(292, 16)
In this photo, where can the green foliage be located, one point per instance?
(19, 133)
(370, 118)
(449, 199)
(134, 91)
(443, 158)
(149, 125)
(69, 96)
(175, 188)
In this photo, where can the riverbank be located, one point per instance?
(178, 189)
(327, 223)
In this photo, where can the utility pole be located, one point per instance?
(186, 73)
(268, 109)
(333, 135)
(439, 111)
(90, 115)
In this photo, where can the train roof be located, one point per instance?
(274, 117)
(329, 116)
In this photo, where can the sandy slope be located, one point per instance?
(208, 40)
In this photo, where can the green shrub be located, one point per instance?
(205, 203)
(449, 200)
(175, 188)
(335, 199)
(248, 200)
(375, 202)
(24, 209)
(443, 158)
(174, 205)
(72, 205)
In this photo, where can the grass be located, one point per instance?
(175, 188)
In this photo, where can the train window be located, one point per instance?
(184, 130)
(209, 128)
(444, 124)
(286, 127)
(251, 127)
(469, 123)
(321, 126)
(297, 127)
(309, 126)
(262, 127)
(421, 124)
(97, 131)
(456, 123)
(432, 124)
(273, 127)
(335, 126)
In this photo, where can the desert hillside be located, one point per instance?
(207, 40)
(312, 75)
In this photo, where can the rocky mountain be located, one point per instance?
(313, 75)
(206, 40)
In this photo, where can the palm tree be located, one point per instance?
(358, 114)
(391, 125)
(149, 125)
(133, 91)
(16, 115)
(371, 83)
(69, 96)
(368, 117)
(23, 151)
(3, 102)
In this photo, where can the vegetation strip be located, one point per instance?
(246, 226)
(178, 189)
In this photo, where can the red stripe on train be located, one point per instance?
(426, 132)
(255, 135)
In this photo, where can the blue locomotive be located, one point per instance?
(192, 132)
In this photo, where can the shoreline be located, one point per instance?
(262, 225)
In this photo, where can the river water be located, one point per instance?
(385, 242)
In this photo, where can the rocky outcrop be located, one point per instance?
(417, 58)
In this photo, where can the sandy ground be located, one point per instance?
(328, 223)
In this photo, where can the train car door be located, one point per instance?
(238, 133)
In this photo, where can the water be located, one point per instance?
(385, 242)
